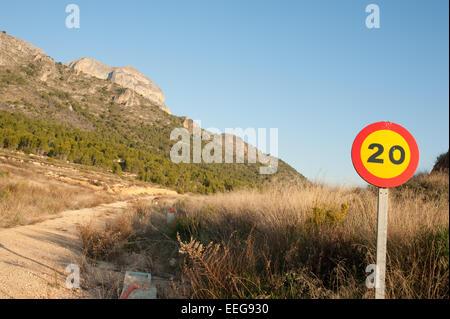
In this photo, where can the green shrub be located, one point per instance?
(322, 215)
(117, 169)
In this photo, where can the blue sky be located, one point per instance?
(310, 68)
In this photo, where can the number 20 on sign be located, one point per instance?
(385, 155)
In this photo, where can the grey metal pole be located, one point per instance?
(383, 194)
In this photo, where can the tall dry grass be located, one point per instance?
(308, 241)
(27, 197)
(315, 241)
(118, 245)
(105, 243)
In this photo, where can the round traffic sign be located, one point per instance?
(385, 154)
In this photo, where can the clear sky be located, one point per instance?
(309, 68)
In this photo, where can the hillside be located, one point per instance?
(442, 164)
(50, 109)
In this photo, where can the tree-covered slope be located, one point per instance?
(50, 109)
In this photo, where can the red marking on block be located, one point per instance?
(130, 289)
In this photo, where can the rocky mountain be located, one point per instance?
(127, 76)
(102, 117)
(16, 52)
(33, 83)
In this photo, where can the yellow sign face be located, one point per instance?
(385, 154)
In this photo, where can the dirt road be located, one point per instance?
(33, 258)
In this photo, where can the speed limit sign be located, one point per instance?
(385, 155)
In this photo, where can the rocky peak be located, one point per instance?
(127, 76)
(15, 52)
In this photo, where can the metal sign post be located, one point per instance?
(385, 155)
(383, 194)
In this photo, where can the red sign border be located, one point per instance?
(378, 181)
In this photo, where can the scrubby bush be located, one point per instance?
(105, 243)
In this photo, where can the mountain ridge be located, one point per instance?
(126, 76)
(71, 115)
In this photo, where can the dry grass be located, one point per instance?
(134, 241)
(105, 243)
(308, 241)
(27, 197)
(99, 282)
(278, 244)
